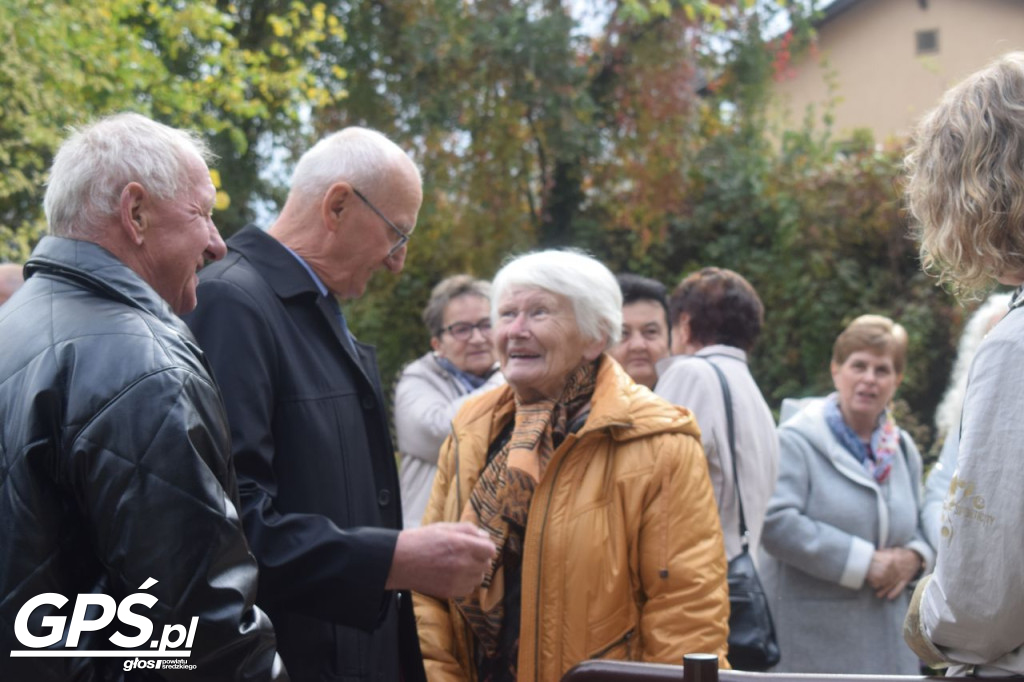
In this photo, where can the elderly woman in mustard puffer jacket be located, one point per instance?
(594, 490)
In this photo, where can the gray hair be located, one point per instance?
(360, 156)
(445, 292)
(590, 286)
(96, 162)
(947, 414)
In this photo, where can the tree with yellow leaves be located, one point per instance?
(238, 72)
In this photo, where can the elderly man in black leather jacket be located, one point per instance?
(116, 487)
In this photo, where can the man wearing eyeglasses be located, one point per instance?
(317, 476)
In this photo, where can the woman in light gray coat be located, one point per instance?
(432, 388)
(842, 537)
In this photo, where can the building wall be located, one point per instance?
(869, 51)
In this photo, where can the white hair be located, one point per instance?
(591, 288)
(96, 162)
(360, 156)
(947, 414)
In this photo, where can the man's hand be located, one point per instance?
(443, 560)
(891, 570)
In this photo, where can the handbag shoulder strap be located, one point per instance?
(727, 395)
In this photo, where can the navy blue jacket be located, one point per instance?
(316, 468)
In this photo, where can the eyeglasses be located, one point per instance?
(403, 238)
(463, 331)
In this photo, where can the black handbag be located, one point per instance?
(752, 642)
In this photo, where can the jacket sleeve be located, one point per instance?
(424, 412)
(972, 610)
(152, 472)
(791, 536)
(682, 558)
(936, 487)
(307, 563)
(919, 543)
(433, 617)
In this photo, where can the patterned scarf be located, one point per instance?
(877, 455)
(500, 501)
(468, 381)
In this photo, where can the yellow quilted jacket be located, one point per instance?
(623, 556)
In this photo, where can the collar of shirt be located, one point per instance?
(316, 280)
(325, 292)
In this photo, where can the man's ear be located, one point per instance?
(134, 220)
(335, 200)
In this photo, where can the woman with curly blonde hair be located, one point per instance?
(966, 198)
(966, 180)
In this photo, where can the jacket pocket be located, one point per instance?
(618, 650)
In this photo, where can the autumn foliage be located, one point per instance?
(634, 129)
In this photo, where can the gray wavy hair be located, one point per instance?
(96, 162)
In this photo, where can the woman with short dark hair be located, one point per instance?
(716, 318)
(717, 306)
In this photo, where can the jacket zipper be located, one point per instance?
(621, 640)
(467, 632)
(458, 479)
(540, 552)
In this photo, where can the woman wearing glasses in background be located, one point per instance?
(432, 389)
